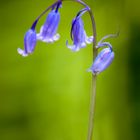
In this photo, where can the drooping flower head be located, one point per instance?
(29, 43)
(102, 61)
(78, 34)
(105, 57)
(48, 32)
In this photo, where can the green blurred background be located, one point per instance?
(46, 95)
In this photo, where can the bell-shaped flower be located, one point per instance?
(78, 35)
(29, 43)
(102, 61)
(48, 32)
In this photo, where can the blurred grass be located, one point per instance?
(46, 95)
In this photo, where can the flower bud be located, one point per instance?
(102, 61)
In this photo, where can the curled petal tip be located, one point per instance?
(74, 48)
(83, 45)
(56, 37)
(89, 40)
(38, 36)
(22, 52)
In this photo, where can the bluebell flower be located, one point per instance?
(78, 34)
(29, 43)
(102, 61)
(48, 32)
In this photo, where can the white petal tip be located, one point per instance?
(48, 39)
(56, 37)
(73, 48)
(22, 52)
(83, 45)
(39, 36)
(89, 40)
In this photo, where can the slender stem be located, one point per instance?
(92, 108)
(94, 77)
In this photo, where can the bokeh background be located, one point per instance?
(46, 95)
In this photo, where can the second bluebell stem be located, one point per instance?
(94, 77)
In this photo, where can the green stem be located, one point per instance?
(92, 108)
(94, 77)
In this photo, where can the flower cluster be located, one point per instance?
(48, 33)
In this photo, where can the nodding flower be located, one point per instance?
(78, 34)
(102, 61)
(29, 43)
(48, 32)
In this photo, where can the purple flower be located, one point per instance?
(29, 43)
(102, 61)
(48, 32)
(78, 34)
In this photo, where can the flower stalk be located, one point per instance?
(94, 77)
(48, 33)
